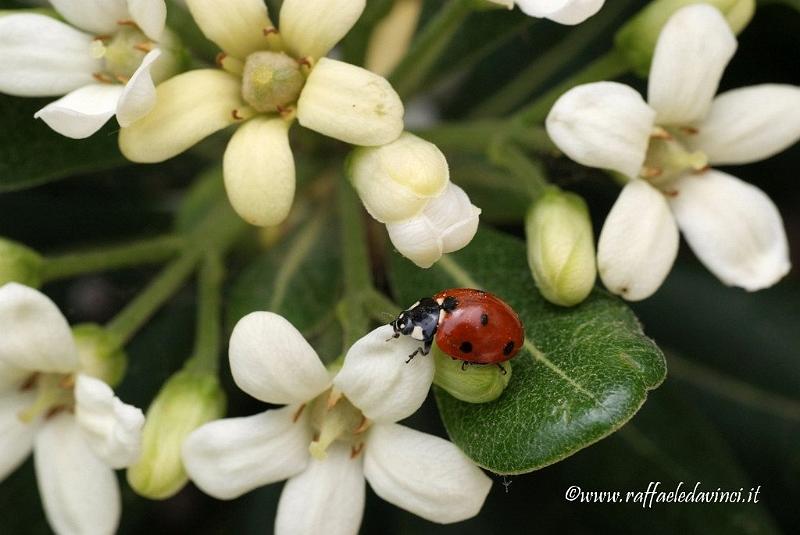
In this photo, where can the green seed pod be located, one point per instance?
(186, 401)
(637, 39)
(561, 251)
(101, 354)
(19, 263)
(471, 383)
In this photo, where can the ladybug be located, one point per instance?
(473, 326)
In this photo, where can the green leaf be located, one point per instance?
(32, 154)
(299, 279)
(582, 373)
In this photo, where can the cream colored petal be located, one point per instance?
(96, 16)
(638, 243)
(423, 474)
(236, 26)
(376, 378)
(350, 104)
(150, 16)
(189, 108)
(749, 124)
(16, 436)
(36, 336)
(603, 124)
(392, 37)
(43, 57)
(230, 457)
(327, 497)
(692, 51)
(396, 181)
(139, 95)
(259, 171)
(271, 361)
(80, 493)
(82, 112)
(734, 229)
(112, 429)
(561, 11)
(313, 27)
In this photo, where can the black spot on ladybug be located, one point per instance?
(465, 347)
(449, 304)
(484, 319)
(508, 348)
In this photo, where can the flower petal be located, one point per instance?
(638, 243)
(313, 27)
(189, 108)
(16, 436)
(350, 104)
(395, 181)
(95, 16)
(112, 428)
(36, 336)
(561, 11)
(236, 27)
(447, 224)
(749, 124)
(139, 95)
(227, 458)
(150, 16)
(259, 171)
(377, 380)
(79, 492)
(82, 112)
(43, 57)
(271, 361)
(734, 229)
(603, 124)
(327, 497)
(692, 51)
(423, 474)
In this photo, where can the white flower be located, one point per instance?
(406, 185)
(272, 78)
(333, 434)
(561, 11)
(665, 146)
(79, 431)
(104, 66)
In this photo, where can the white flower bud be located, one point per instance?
(397, 180)
(561, 251)
(186, 401)
(447, 224)
(637, 39)
(101, 354)
(473, 384)
(19, 264)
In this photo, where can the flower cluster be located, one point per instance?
(105, 62)
(664, 149)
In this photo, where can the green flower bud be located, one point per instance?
(473, 383)
(561, 251)
(100, 352)
(20, 264)
(186, 401)
(637, 39)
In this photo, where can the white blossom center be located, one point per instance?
(334, 418)
(122, 53)
(55, 392)
(668, 157)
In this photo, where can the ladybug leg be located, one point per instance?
(394, 336)
(414, 354)
(464, 365)
(427, 348)
(502, 369)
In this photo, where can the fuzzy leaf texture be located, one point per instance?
(582, 373)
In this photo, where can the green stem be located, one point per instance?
(216, 233)
(380, 307)
(209, 316)
(548, 64)
(477, 137)
(529, 172)
(150, 251)
(428, 47)
(355, 264)
(610, 65)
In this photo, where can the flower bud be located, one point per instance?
(470, 383)
(396, 181)
(186, 401)
(637, 39)
(19, 263)
(100, 352)
(561, 247)
(392, 35)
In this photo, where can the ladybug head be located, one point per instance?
(403, 324)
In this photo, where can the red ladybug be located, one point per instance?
(469, 325)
